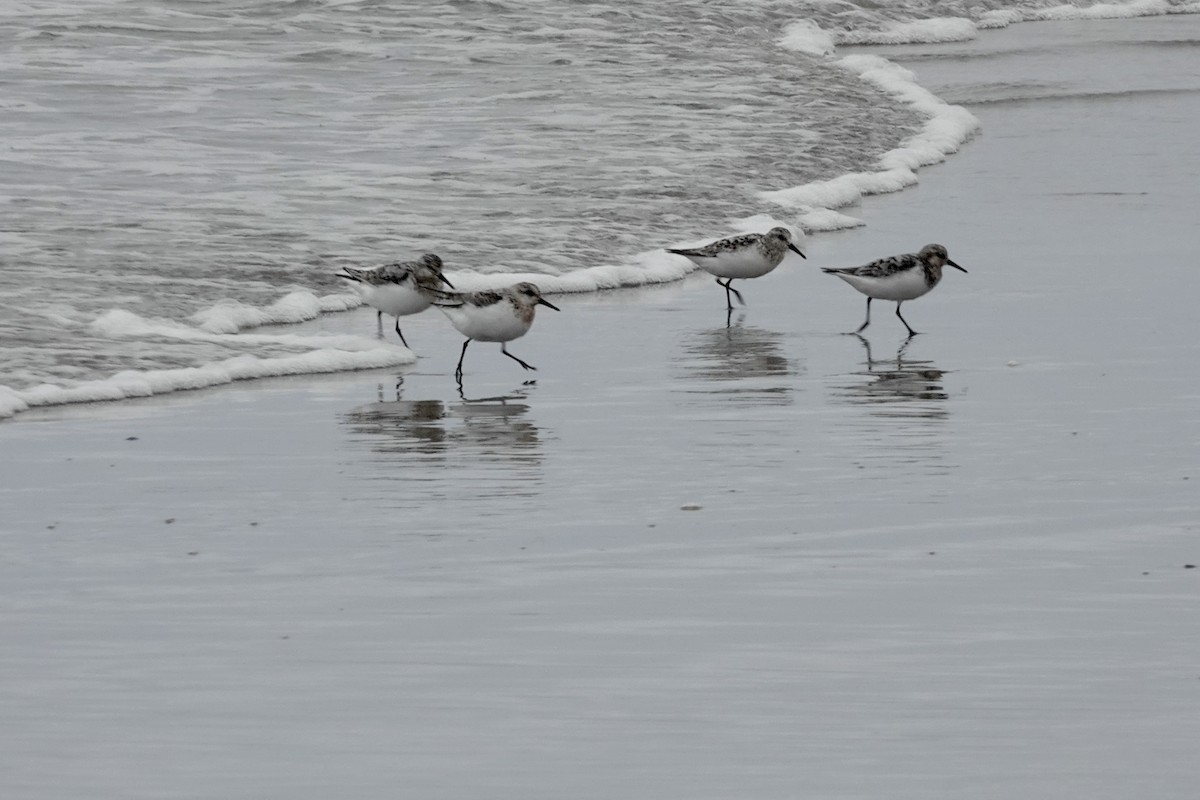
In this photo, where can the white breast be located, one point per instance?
(498, 322)
(398, 300)
(907, 285)
(747, 263)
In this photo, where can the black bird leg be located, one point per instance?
(728, 290)
(911, 332)
(514, 358)
(461, 356)
(863, 327)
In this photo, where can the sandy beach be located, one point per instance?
(697, 560)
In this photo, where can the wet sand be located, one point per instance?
(693, 560)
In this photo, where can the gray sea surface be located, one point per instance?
(700, 557)
(164, 159)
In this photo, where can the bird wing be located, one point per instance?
(444, 299)
(352, 274)
(692, 253)
(720, 246)
(397, 272)
(483, 299)
(882, 267)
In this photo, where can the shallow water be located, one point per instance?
(693, 560)
(163, 158)
(176, 171)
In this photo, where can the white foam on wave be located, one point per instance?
(231, 316)
(1000, 18)
(921, 31)
(945, 130)
(326, 353)
(806, 36)
(644, 269)
(136, 383)
(121, 324)
(1138, 8)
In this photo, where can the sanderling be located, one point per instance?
(399, 289)
(749, 256)
(498, 316)
(898, 278)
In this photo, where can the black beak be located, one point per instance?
(445, 280)
(796, 250)
(956, 266)
(544, 302)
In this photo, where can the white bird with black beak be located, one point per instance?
(399, 289)
(751, 255)
(899, 278)
(492, 316)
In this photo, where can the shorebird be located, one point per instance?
(899, 278)
(751, 255)
(399, 289)
(492, 316)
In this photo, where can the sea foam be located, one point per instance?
(945, 130)
(231, 316)
(1138, 8)
(998, 18)
(921, 31)
(805, 36)
(134, 383)
(644, 269)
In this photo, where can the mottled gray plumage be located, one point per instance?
(882, 267)
(480, 299)
(898, 278)
(770, 245)
(400, 288)
(492, 316)
(425, 272)
(750, 255)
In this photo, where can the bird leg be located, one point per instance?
(863, 327)
(461, 356)
(398, 333)
(729, 289)
(514, 358)
(911, 332)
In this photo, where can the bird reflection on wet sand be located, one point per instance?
(897, 386)
(740, 363)
(905, 420)
(485, 447)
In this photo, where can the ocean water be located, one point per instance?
(695, 559)
(175, 173)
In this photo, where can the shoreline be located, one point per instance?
(691, 560)
(815, 207)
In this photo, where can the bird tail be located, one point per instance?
(833, 270)
(443, 299)
(688, 253)
(351, 274)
